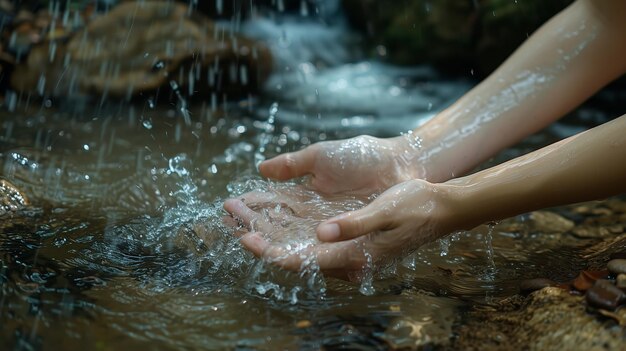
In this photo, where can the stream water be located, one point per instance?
(124, 244)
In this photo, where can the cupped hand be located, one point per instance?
(361, 165)
(400, 220)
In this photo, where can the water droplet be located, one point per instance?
(177, 165)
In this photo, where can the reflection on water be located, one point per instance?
(124, 244)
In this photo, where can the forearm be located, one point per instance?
(587, 166)
(563, 63)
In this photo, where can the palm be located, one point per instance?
(280, 226)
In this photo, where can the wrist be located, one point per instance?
(458, 207)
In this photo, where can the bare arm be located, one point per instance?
(587, 166)
(567, 60)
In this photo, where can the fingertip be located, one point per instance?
(273, 168)
(264, 168)
(230, 205)
(328, 232)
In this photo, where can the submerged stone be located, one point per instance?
(550, 222)
(585, 280)
(605, 295)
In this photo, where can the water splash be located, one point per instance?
(490, 271)
(266, 133)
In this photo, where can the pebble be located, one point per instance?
(617, 266)
(530, 285)
(585, 280)
(621, 281)
(303, 324)
(549, 222)
(605, 295)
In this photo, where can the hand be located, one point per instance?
(400, 220)
(361, 165)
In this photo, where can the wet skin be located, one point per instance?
(562, 64)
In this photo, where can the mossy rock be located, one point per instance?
(452, 35)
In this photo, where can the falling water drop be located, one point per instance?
(177, 165)
(267, 130)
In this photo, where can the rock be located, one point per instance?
(617, 266)
(620, 281)
(617, 205)
(549, 222)
(11, 198)
(590, 232)
(603, 294)
(548, 319)
(453, 35)
(530, 285)
(142, 46)
(585, 280)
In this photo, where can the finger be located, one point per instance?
(290, 165)
(353, 224)
(229, 221)
(239, 210)
(341, 260)
(277, 255)
(257, 196)
(254, 243)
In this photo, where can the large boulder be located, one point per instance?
(141, 46)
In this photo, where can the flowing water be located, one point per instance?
(124, 244)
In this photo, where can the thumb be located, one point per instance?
(351, 225)
(289, 165)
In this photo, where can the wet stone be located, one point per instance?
(166, 45)
(549, 222)
(11, 198)
(591, 232)
(530, 285)
(620, 281)
(586, 279)
(548, 319)
(605, 295)
(617, 266)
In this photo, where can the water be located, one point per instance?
(125, 243)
